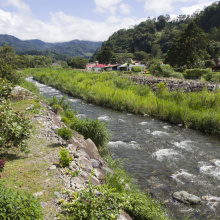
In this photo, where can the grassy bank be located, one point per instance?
(198, 110)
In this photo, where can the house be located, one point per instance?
(111, 67)
(98, 67)
(124, 67)
(128, 67)
(90, 66)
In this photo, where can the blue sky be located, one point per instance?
(94, 20)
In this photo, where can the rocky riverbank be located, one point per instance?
(84, 154)
(173, 84)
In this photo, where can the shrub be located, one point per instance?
(208, 76)
(209, 63)
(15, 206)
(155, 68)
(195, 73)
(136, 69)
(58, 102)
(93, 129)
(15, 128)
(5, 88)
(176, 75)
(215, 77)
(64, 157)
(57, 108)
(65, 133)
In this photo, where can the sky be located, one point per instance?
(92, 20)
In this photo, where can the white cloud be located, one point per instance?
(125, 8)
(190, 10)
(18, 4)
(159, 7)
(62, 27)
(103, 6)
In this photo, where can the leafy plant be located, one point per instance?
(14, 205)
(93, 129)
(64, 158)
(58, 102)
(106, 202)
(5, 88)
(15, 127)
(65, 133)
(136, 69)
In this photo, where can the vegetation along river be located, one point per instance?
(162, 157)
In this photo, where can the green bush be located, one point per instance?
(177, 75)
(5, 88)
(58, 102)
(215, 77)
(209, 63)
(195, 73)
(208, 76)
(64, 157)
(136, 69)
(65, 133)
(15, 127)
(155, 68)
(93, 129)
(15, 206)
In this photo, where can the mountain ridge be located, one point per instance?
(73, 48)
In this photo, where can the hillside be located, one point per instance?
(162, 31)
(73, 48)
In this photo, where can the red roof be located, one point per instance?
(99, 65)
(90, 65)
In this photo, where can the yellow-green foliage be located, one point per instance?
(198, 110)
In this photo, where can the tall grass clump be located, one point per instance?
(195, 110)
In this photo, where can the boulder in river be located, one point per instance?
(187, 198)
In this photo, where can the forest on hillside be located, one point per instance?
(156, 36)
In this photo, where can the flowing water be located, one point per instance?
(163, 158)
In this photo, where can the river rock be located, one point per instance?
(124, 216)
(95, 163)
(187, 198)
(86, 164)
(100, 174)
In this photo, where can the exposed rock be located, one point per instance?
(37, 194)
(95, 163)
(187, 198)
(85, 163)
(124, 216)
(100, 174)
(30, 107)
(95, 181)
(53, 167)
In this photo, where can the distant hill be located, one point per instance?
(72, 48)
(162, 31)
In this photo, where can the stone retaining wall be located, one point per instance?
(173, 84)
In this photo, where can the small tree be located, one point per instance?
(105, 55)
(77, 62)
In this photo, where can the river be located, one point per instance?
(163, 158)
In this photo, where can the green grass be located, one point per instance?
(199, 110)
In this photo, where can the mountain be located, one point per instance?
(162, 31)
(72, 48)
